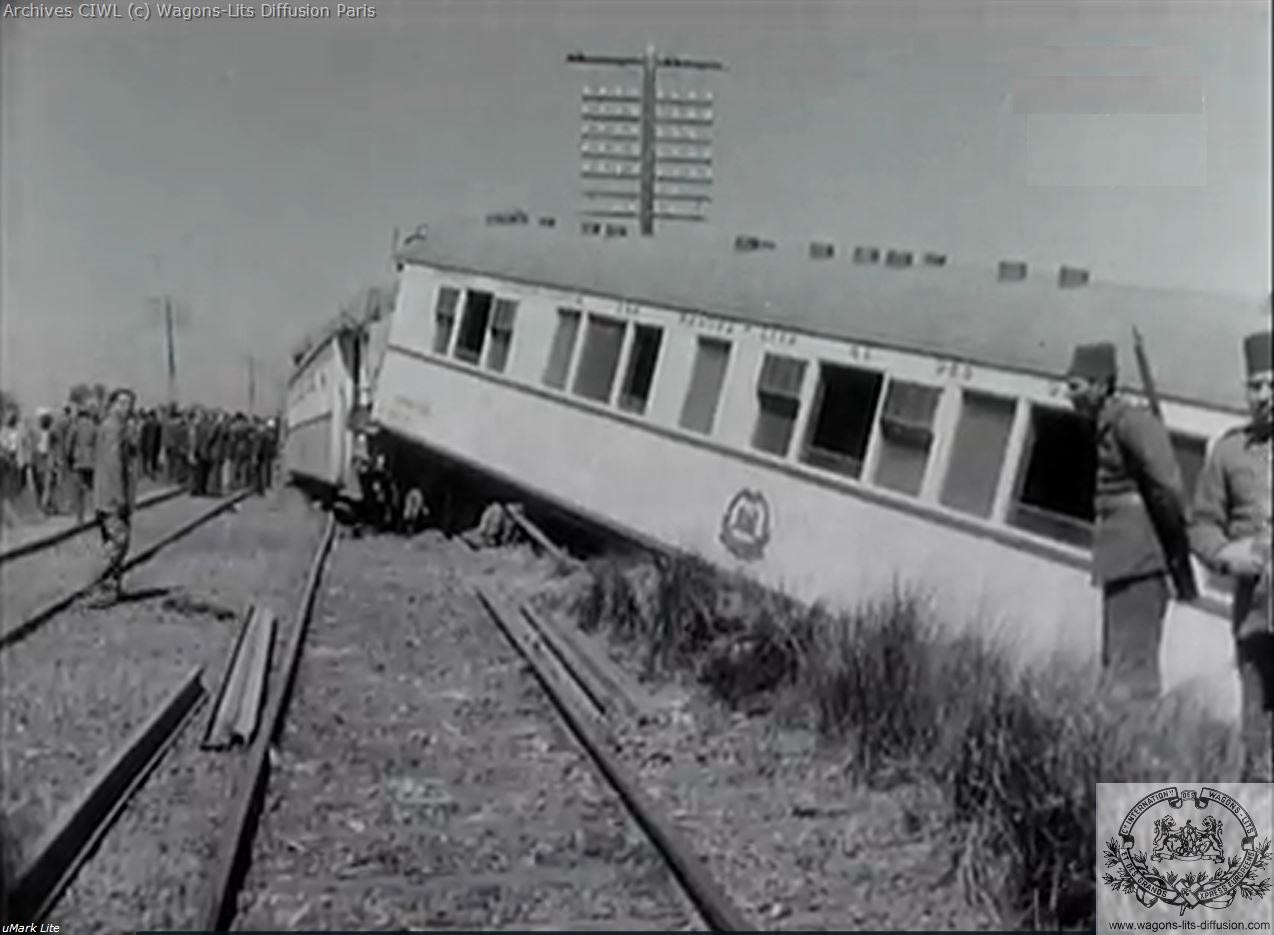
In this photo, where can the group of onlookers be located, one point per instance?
(52, 454)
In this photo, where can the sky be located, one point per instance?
(255, 169)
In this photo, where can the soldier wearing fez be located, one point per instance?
(1231, 535)
(1140, 536)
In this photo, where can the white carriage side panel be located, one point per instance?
(825, 543)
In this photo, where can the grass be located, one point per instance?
(1017, 758)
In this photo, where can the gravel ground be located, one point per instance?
(75, 689)
(32, 581)
(772, 807)
(425, 780)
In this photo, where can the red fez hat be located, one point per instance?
(1093, 362)
(1258, 351)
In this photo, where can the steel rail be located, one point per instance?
(711, 900)
(62, 850)
(37, 545)
(236, 847)
(46, 613)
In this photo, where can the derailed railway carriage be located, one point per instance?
(826, 424)
(329, 395)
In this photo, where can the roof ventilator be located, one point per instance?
(822, 251)
(1012, 271)
(898, 258)
(1069, 277)
(866, 255)
(507, 218)
(746, 244)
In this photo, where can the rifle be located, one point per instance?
(1170, 530)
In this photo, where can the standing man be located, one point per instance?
(113, 493)
(1231, 535)
(83, 456)
(1137, 477)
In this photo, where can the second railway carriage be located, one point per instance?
(329, 395)
(825, 423)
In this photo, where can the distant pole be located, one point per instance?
(610, 123)
(252, 385)
(172, 351)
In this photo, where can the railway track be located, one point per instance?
(31, 618)
(16, 544)
(96, 703)
(433, 774)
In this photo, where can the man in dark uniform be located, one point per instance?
(1231, 535)
(83, 456)
(201, 450)
(114, 492)
(1137, 476)
(269, 450)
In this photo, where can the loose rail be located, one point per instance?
(24, 629)
(236, 847)
(61, 851)
(52, 539)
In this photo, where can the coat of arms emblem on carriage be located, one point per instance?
(1188, 849)
(745, 527)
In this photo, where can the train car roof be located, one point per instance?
(370, 304)
(1193, 339)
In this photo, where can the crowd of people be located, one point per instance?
(51, 455)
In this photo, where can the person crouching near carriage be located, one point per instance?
(113, 493)
(1231, 535)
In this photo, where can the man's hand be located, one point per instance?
(1242, 559)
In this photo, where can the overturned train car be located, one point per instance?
(825, 424)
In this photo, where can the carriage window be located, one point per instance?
(501, 334)
(843, 413)
(1190, 451)
(906, 435)
(700, 408)
(778, 392)
(445, 318)
(635, 392)
(977, 453)
(559, 362)
(473, 327)
(1058, 475)
(599, 358)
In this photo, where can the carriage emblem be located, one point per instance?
(745, 527)
(1208, 878)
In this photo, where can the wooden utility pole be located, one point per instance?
(252, 385)
(630, 126)
(172, 351)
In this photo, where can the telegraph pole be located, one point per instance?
(172, 351)
(682, 120)
(252, 385)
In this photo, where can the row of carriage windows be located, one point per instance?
(854, 411)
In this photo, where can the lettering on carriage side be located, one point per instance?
(860, 352)
(953, 369)
(745, 526)
(628, 309)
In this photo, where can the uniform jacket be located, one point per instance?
(112, 473)
(1232, 502)
(1136, 468)
(83, 442)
